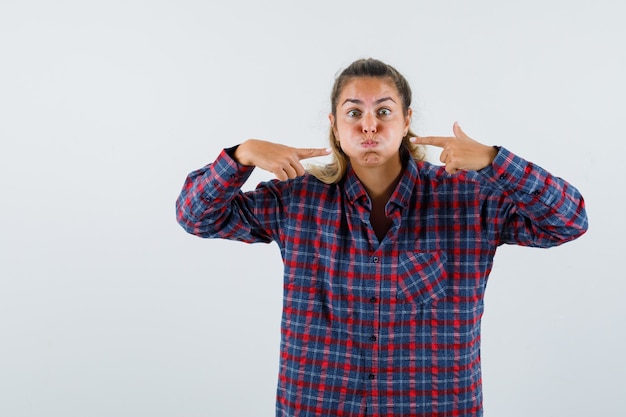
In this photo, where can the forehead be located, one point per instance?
(369, 89)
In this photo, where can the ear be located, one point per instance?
(331, 119)
(408, 118)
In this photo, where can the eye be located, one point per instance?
(354, 113)
(384, 112)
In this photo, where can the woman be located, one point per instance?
(386, 256)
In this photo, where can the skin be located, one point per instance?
(283, 161)
(370, 137)
(369, 126)
(460, 152)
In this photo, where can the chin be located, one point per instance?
(371, 159)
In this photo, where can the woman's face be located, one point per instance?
(370, 123)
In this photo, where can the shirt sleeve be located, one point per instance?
(212, 205)
(526, 205)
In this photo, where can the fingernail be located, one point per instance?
(328, 150)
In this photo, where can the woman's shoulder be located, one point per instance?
(438, 173)
(304, 185)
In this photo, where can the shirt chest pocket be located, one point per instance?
(422, 277)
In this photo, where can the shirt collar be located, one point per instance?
(401, 196)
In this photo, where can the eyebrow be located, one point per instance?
(357, 101)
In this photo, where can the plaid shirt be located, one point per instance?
(389, 328)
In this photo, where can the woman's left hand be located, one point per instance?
(460, 152)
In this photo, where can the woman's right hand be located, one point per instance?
(281, 160)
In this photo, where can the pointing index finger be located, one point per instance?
(305, 153)
(438, 141)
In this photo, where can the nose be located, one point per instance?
(369, 123)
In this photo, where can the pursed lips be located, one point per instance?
(369, 143)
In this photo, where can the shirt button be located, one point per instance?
(373, 300)
(371, 376)
(536, 192)
(503, 176)
(373, 338)
(375, 259)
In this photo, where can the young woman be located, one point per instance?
(386, 256)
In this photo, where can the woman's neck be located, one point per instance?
(379, 182)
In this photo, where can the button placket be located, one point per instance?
(377, 268)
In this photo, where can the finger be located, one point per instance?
(290, 171)
(451, 170)
(444, 157)
(458, 132)
(281, 174)
(438, 141)
(295, 168)
(305, 153)
(299, 169)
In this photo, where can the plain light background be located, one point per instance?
(108, 308)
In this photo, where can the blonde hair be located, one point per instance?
(334, 171)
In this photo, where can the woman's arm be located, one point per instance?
(523, 203)
(527, 205)
(212, 205)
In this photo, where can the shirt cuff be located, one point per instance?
(513, 174)
(226, 175)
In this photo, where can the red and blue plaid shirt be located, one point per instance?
(392, 327)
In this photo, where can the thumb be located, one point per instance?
(458, 132)
(305, 153)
